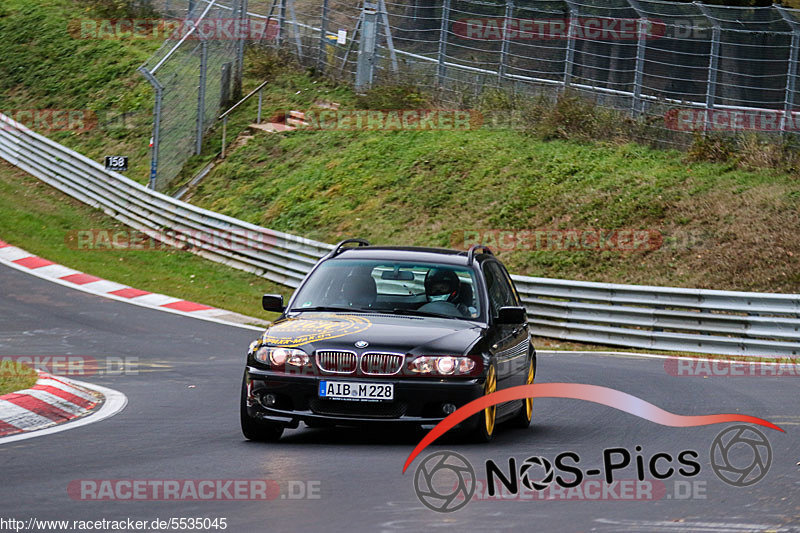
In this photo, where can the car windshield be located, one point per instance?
(404, 288)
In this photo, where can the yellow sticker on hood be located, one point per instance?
(294, 332)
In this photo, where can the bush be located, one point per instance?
(393, 97)
(122, 8)
(267, 63)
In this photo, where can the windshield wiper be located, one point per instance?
(333, 309)
(416, 312)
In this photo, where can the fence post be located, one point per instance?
(323, 38)
(387, 29)
(201, 97)
(440, 70)
(366, 47)
(225, 86)
(243, 19)
(642, 28)
(504, 47)
(713, 62)
(296, 30)
(281, 22)
(791, 71)
(570, 55)
(159, 89)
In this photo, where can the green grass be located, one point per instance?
(15, 376)
(723, 227)
(40, 220)
(42, 66)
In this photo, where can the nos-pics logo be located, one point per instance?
(445, 481)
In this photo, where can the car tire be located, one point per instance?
(522, 419)
(257, 430)
(485, 422)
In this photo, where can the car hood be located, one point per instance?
(313, 331)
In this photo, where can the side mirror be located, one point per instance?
(511, 315)
(273, 302)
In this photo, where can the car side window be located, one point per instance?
(500, 293)
(516, 300)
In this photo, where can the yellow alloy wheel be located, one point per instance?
(490, 412)
(529, 401)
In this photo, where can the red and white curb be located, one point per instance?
(25, 261)
(51, 403)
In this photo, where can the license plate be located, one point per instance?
(356, 390)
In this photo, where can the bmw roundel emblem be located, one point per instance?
(362, 344)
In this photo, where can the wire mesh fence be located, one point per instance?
(694, 67)
(673, 68)
(194, 75)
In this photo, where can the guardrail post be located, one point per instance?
(159, 89)
(713, 62)
(570, 54)
(323, 38)
(501, 71)
(366, 47)
(791, 70)
(441, 69)
(201, 98)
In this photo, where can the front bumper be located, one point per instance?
(416, 400)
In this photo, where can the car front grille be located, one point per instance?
(381, 364)
(337, 362)
(358, 409)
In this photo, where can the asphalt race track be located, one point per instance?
(182, 423)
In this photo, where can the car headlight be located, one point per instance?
(446, 365)
(279, 357)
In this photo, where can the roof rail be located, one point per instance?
(339, 248)
(472, 249)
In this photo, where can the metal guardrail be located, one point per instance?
(662, 318)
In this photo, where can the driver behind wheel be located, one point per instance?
(441, 285)
(446, 294)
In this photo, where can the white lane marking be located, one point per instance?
(12, 253)
(123, 299)
(664, 525)
(66, 388)
(55, 401)
(114, 404)
(56, 271)
(20, 417)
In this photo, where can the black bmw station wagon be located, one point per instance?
(393, 335)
